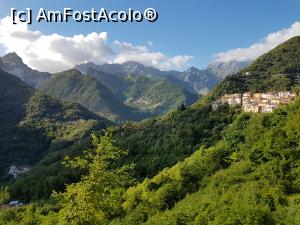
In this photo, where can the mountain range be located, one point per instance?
(89, 92)
(39, 104)
(120, 92)
(191, 165)
(193, 79)
(152, 93)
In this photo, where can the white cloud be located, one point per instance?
(150, 43)
(128, 52)
(256, 50)
(55, 52)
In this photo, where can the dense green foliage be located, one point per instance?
(284, 59)
(48, 174)
(93, 200)
(251, 176)
(156, 92)
(277, 70)
(193, 165)
(96, 198)
(4, 195)
(142, 96)
(152, 145)
(88, 91)
(161, 142)
(157, 95)
(34, 125)
(255, 178)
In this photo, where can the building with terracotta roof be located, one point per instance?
(256, 102)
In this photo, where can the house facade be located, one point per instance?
(256, 102)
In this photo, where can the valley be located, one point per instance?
(131, 144)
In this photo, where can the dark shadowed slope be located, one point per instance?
(33, 124)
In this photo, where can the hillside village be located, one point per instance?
(15, 171)
(256, 102)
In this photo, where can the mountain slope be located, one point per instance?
(194, 80)
(154, 94)
(88, 91)
(124, 69)
(13, 64)
(162, 141)
(245, 171)
(202, 81)
(223, 69)
(116, 83)
(284, 59)
(251, 176)
(34, 124)
(157, 95)
(152, 144)
(277, 70)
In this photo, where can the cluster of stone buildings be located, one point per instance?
(17, 170)
(256, 102)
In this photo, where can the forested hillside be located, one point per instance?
(193, 165)
(143, 88)
(34, 124)
(277, 70)
(250, 176)
(161, 142)
(88, 91)
(152, 145)
(156, 95)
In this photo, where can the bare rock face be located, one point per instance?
(14, 65)
(194, 80)
(224, 69)
(202, 81)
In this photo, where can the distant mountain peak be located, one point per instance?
(13, 59)
(132, 66)
(194, 80)
(13, 64)
(127, 68)
(192, 69)
(88, 64)
(73, 71)
(132, 63)
(224, 69)
(13, 55)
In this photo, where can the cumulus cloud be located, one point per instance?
(257, 49)
(128, 52)
(56, 52)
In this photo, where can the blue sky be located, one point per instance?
(192, 27)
